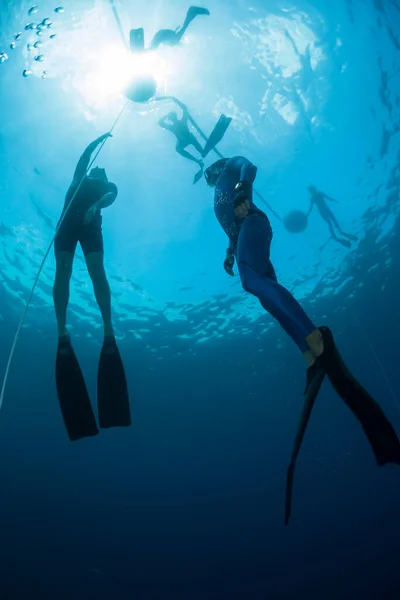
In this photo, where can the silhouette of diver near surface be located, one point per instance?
(165, 37)
(319, 199)
(180, 128)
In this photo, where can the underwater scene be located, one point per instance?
(199, 283)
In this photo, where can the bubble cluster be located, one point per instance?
(40, 29)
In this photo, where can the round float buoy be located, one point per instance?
(296, 221)
(141, 89)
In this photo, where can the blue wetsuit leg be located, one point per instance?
(258, 278)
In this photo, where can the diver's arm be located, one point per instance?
(248, 171)
(229, 260)
(83, 163)
(108, 198)
(247, 175)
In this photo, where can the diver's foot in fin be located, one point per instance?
(315, 377)
(112, 389)
(193, 12)
(198, 176)
(345, 243)
(217, 134)
(73, 397)
(351, 237)
(379, 431)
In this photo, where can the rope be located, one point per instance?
(21, 321)
(119, 24)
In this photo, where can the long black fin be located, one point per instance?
(379, 431)
(73, 396)
(112, 388)
(217, 134)
(315, 377)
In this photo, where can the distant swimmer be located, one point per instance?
(250, 235)
(165, 37)
(319, 200)
(181, 130)
(81, 221)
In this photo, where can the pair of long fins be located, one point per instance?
(112, 392)
(380, 433)
(215, 137)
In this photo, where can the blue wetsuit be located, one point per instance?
(250, 241)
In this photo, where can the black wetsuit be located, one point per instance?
(73, 229)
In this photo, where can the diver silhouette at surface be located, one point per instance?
(165, 37)
(319, 200)
(180, 128)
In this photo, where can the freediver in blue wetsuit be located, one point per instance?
(250, 235)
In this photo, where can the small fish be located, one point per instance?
(44, 74)
(30, 26)
(53, 35)
(39, 33)
(26, 73)
(33, 9)
(39, 58)
(3, 57)
(29, 47)
(17, 36)
(13, 45)
(46, 22)
(59, 10)
(37, 44)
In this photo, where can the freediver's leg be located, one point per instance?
(180, 148)
(254, 268)
(64, 262)
(101, 287)
(64, 249)
(345, 243)
(196, 144)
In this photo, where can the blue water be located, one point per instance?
(188, 503)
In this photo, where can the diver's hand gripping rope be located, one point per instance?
(21, 321)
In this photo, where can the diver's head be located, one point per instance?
(213, 172)
(312, 189)
(98, 173)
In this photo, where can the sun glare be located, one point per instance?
(115, 67)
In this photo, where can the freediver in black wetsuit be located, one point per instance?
(165, 37)
(81, 222)
(319, 200)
